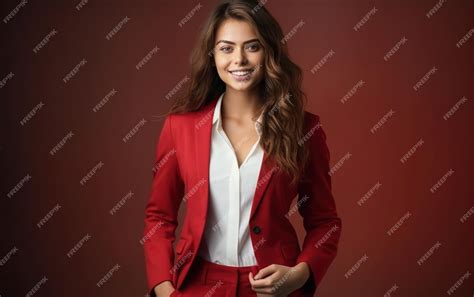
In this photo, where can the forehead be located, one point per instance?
(235, 30)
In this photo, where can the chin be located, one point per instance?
(242, 87)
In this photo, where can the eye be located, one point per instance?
(226, 49)
(254, 47)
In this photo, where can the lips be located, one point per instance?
(241, 72)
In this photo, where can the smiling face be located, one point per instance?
(238, 55)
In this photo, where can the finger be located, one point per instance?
(264, 292)
(267, 290)
(266, 282)
(265, 271)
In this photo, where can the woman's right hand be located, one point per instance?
(164, 289)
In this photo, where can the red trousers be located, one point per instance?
(208, 279)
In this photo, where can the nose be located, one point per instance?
(240, 57)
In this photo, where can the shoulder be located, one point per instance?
(313, 132)
(183, 121)
(311, 118)
(312, 123)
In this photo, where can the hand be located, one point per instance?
(164, 289)
(279, 280)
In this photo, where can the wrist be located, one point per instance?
(304, 272)
(163, 288)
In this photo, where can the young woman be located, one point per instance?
(237, 149)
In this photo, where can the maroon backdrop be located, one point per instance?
(84, 86)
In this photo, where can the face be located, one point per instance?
(238, 55)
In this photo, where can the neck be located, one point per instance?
(241, 104)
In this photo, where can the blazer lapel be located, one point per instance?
(266, 172)
(202, 140)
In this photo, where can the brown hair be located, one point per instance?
(281, 92)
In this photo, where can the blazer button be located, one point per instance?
(256, 229)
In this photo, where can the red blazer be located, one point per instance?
(182, 171)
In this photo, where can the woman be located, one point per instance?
(238, 148)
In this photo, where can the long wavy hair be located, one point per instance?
(280, 90)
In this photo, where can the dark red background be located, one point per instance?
(448, 144)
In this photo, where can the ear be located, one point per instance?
(211, 58)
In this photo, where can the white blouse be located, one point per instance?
(226, 235)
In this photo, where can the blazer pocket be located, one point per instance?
(290, 251)
(178, 261)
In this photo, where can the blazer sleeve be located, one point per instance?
(318, 209)
(162, 209)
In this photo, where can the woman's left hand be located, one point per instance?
(279, 280)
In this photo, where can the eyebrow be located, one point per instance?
(230, 42)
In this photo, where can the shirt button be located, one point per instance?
(256, 229)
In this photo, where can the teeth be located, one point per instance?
(241, 73)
